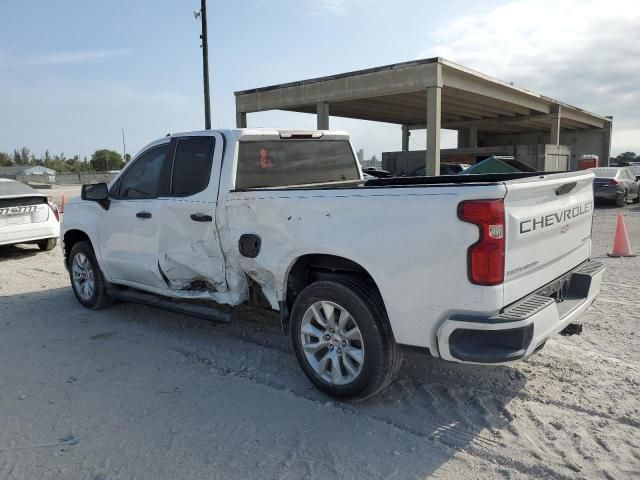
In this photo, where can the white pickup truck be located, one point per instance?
(471, 268)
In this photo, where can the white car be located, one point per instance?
(470, 268)
(26, 216)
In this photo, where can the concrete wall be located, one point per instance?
(542, 157)
(580, 142)
(403, 163)
(71, 178)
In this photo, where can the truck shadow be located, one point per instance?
(16, 252)
(445, 408)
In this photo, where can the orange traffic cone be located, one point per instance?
(63, 200)
(621, 247)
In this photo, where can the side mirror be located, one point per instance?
(97, 192)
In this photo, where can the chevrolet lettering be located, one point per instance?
(555, 218)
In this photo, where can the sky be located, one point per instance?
(74, 73)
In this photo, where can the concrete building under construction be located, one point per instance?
(491, 117)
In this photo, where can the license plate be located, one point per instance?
(15, 211)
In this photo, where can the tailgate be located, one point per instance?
(548, 229)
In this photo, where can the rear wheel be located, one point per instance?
(47, 244)
(87, 280)
(622, 199)
(342, 338)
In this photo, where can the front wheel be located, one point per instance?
(342, 338)
(622, 199)
(87, 280)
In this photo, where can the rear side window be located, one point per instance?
(276, 163)
(146, 178)
(192, 165)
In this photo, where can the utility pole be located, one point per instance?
(205, 63)
(124, 148)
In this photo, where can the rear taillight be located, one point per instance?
(485, 258)
(612, 183)
(54, 209)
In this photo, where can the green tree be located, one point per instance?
(5, 160)
(105, 160)
(624, 158)
(45, 159)
(25, 153)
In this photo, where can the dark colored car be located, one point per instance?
(616, 184)
(377, 172)
(445, 169)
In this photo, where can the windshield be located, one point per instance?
(606, 172)
(277, 163)
(16, 188)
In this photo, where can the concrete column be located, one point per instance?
(473, 137)
(555, 124)
(606, 145)
(468, 137)
(241, 120)
(323, 115)
(434, 106)
(405, 138)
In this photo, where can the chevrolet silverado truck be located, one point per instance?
(479, 269)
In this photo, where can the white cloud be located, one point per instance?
(585, 53)
(58, 58)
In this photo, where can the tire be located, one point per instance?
(622, 200)
(48, 244)
(87, 264)
(381, 358)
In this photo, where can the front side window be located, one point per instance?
(192, 165)
(276, 163)
(144, 179)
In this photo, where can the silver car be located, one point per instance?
(616, 184)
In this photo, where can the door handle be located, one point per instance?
(143, 215)
(201, 217)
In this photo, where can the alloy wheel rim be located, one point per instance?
(83, 278)
(332, 343)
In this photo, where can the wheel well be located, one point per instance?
(70, 239)
(313, 267)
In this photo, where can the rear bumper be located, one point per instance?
(522, 328)
(29, 232)
(609, 194)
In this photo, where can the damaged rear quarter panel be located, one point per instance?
(402, 237)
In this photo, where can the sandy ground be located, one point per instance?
(56, 193)
(133, 392)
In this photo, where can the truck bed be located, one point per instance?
(485, 178)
